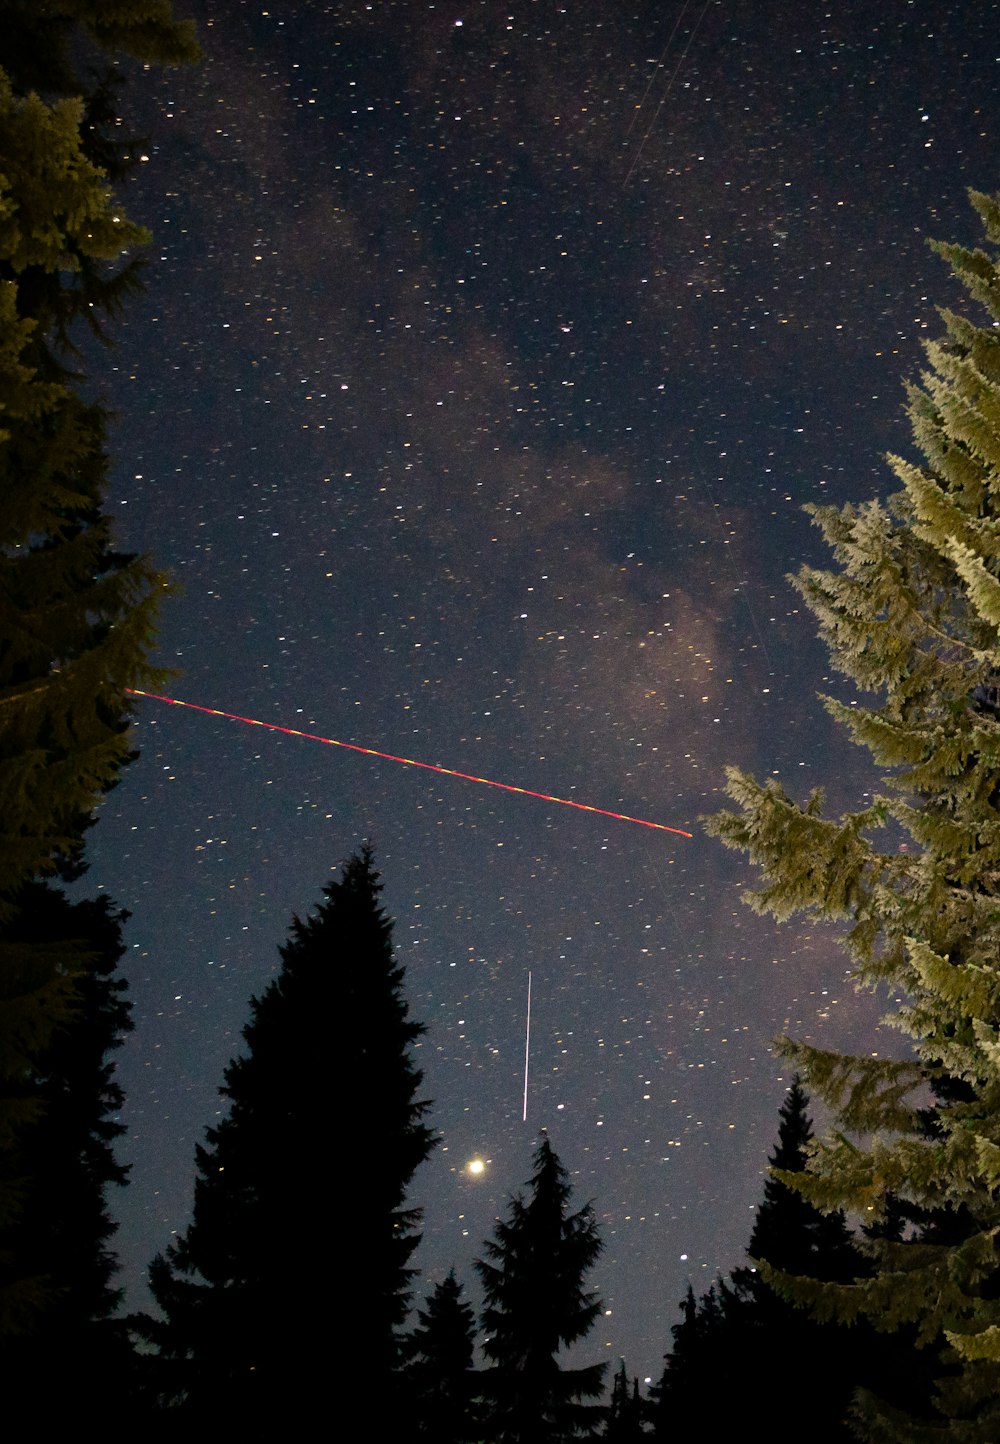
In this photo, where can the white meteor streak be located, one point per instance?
(527, 1051)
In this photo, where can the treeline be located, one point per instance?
(302, 1231)
(268, 1197)
(301, 1182)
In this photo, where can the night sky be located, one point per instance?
(487, 360)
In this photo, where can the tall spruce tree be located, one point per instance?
(701, 1355)
(743, 1330)
(441, 1381)
(537, 1304)
(767, 1337)
(76, 617)
(789, 1231)
(910, 615)
(300, 1196)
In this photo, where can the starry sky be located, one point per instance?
(488, 357)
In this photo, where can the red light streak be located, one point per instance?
(409, 762)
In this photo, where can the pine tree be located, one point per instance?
(910, 615)
(789, 1231)
(441, 1381)
(626, 1412)
(700, 1356)
(768, 1338)
(60, 1241)
(741, 1329)
(537, 1304)
(76, 617)
(273, 1230)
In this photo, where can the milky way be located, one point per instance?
(487, 360)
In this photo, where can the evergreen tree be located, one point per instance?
(441, 1380)
(242, 1334)
(910, 616)
(687, 1397)
(537, 1303)
(743, 1330)
(626, 1412)
(61, 1238)
(767, 1336)
(789, 1232)
(76, 617)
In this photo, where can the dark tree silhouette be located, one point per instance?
(626, 1412)
(741, 1329)
(441, 1381)
(283, 1226)
(687, 1397)
(793, 1235)
(789, 1232)
(58, 1244)
(537, 1304)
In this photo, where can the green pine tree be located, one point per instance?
(537, 1304)
(297, 1198)
(76, 616)
(910, 615)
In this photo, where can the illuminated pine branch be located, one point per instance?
(77, 618)
(910, 613)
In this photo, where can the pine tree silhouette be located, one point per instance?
(300, 1201)
(58, 1246)
(744, 1331)
(626, 1412)
(441, 1382)
(537, 1304)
